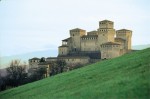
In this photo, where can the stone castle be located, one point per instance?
(82, 47)
(106, 42)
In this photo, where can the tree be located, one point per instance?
(57, 67)
(41, 71)
(2, 83)
(42, 60)
(54, 69)
(16, 73)
(61, 64)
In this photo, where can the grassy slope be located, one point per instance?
(126, 77)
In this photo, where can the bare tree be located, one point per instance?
(16, 73)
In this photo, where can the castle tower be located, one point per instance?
(106, 32)
(126, 35)
(76, 35)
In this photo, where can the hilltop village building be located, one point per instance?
(84, 47)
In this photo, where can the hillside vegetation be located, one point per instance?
(125, 77)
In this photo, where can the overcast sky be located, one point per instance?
(31, 25)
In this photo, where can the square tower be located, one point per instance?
(76, 35)
(126, 35)
(106, 24)
(106, 32)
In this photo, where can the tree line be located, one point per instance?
(17, 73)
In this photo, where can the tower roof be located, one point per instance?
(67, 39)
(77, 29)
(35, 58)
(107, 21)
(124, 30)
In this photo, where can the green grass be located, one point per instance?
(125, 77)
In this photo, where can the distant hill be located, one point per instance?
(5, 61)
(125, 77)
(140, 47)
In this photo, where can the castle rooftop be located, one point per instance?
(67, 39)
(77, 29)
(124, 30)
(107, 21)
(35, 58)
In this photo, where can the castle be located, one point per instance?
(82, 47)
(106, 41)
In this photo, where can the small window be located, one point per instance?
(72, 34)
(75, 49)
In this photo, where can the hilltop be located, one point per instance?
(125, 77)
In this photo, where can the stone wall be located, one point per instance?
(70, 60)
(110, 51)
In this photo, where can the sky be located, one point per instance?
(33, 25)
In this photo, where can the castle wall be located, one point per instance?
(71, 60)
(89, 44)
(110, 51)
(92, 33)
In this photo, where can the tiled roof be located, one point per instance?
(106, 21)
(67, 39)
(124, 30)
(92, 31)
(35, 58)
(77, 29)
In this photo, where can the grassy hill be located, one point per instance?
(125, 77)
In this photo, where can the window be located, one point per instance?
(72, 34)
(75, 49)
